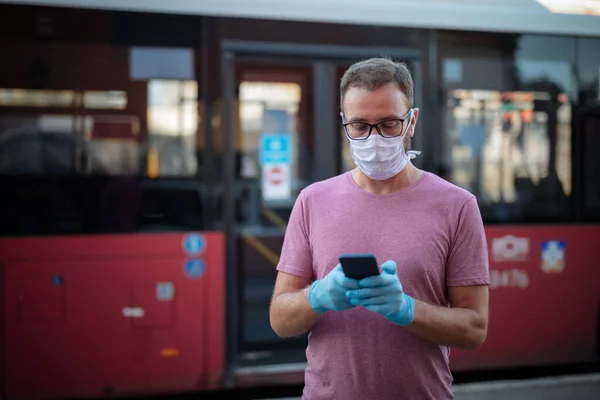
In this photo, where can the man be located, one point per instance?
(387, 336)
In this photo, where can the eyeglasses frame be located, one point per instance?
(376, 126)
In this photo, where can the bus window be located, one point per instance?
(172, 125)
(105, 143)
(507, 139)
(69, 144)
(512, 150)
(588, 68)
(588, 63)
(591, 165)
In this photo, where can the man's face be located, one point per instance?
(387, 102)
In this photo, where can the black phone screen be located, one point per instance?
(359, 266)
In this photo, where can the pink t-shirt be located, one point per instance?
(434, 232)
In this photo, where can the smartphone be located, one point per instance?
(359, 266)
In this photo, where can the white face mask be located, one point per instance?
(381, 158)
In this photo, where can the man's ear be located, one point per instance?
(413, 121)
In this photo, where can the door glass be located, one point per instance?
(269, 108)
(273, 147)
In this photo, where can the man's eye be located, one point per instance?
(390, 124)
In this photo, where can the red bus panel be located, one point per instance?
(86, 316)
(544, 297)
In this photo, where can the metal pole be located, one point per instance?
(434, 151)
(232, 277)
(326, 131)
(208, 160)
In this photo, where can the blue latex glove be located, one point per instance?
(383, 294)
(329, 293)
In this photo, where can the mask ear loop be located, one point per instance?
(410, 114)
(412, 154)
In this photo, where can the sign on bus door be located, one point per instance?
(275, 158)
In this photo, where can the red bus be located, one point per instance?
(149, 160)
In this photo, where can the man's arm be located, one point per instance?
(462, 325)
(290, 313)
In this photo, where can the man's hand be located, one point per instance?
(329, 293)
(383, 294)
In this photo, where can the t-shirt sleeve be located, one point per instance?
(468, 262)
(296, 255)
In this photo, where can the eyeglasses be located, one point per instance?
(388, 128)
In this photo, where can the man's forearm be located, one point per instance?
(456, 327)
(291, 315)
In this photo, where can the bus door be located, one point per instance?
(281, 132)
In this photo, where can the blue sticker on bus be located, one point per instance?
(194, 268)
(553, 256)
(165, 291)
(275, 149)
(57, 280)
(194, 244)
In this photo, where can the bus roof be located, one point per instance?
(517, 16)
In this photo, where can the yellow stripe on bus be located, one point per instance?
(262, 249)
(274, 218)
(153, 163)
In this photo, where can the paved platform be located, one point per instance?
(575, 387)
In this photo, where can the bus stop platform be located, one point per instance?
(571, 387)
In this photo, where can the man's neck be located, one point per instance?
(407, 177)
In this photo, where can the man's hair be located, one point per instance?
(375, 73)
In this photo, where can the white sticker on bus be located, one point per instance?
(510, 248)
(133, 312)
(510, 278)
